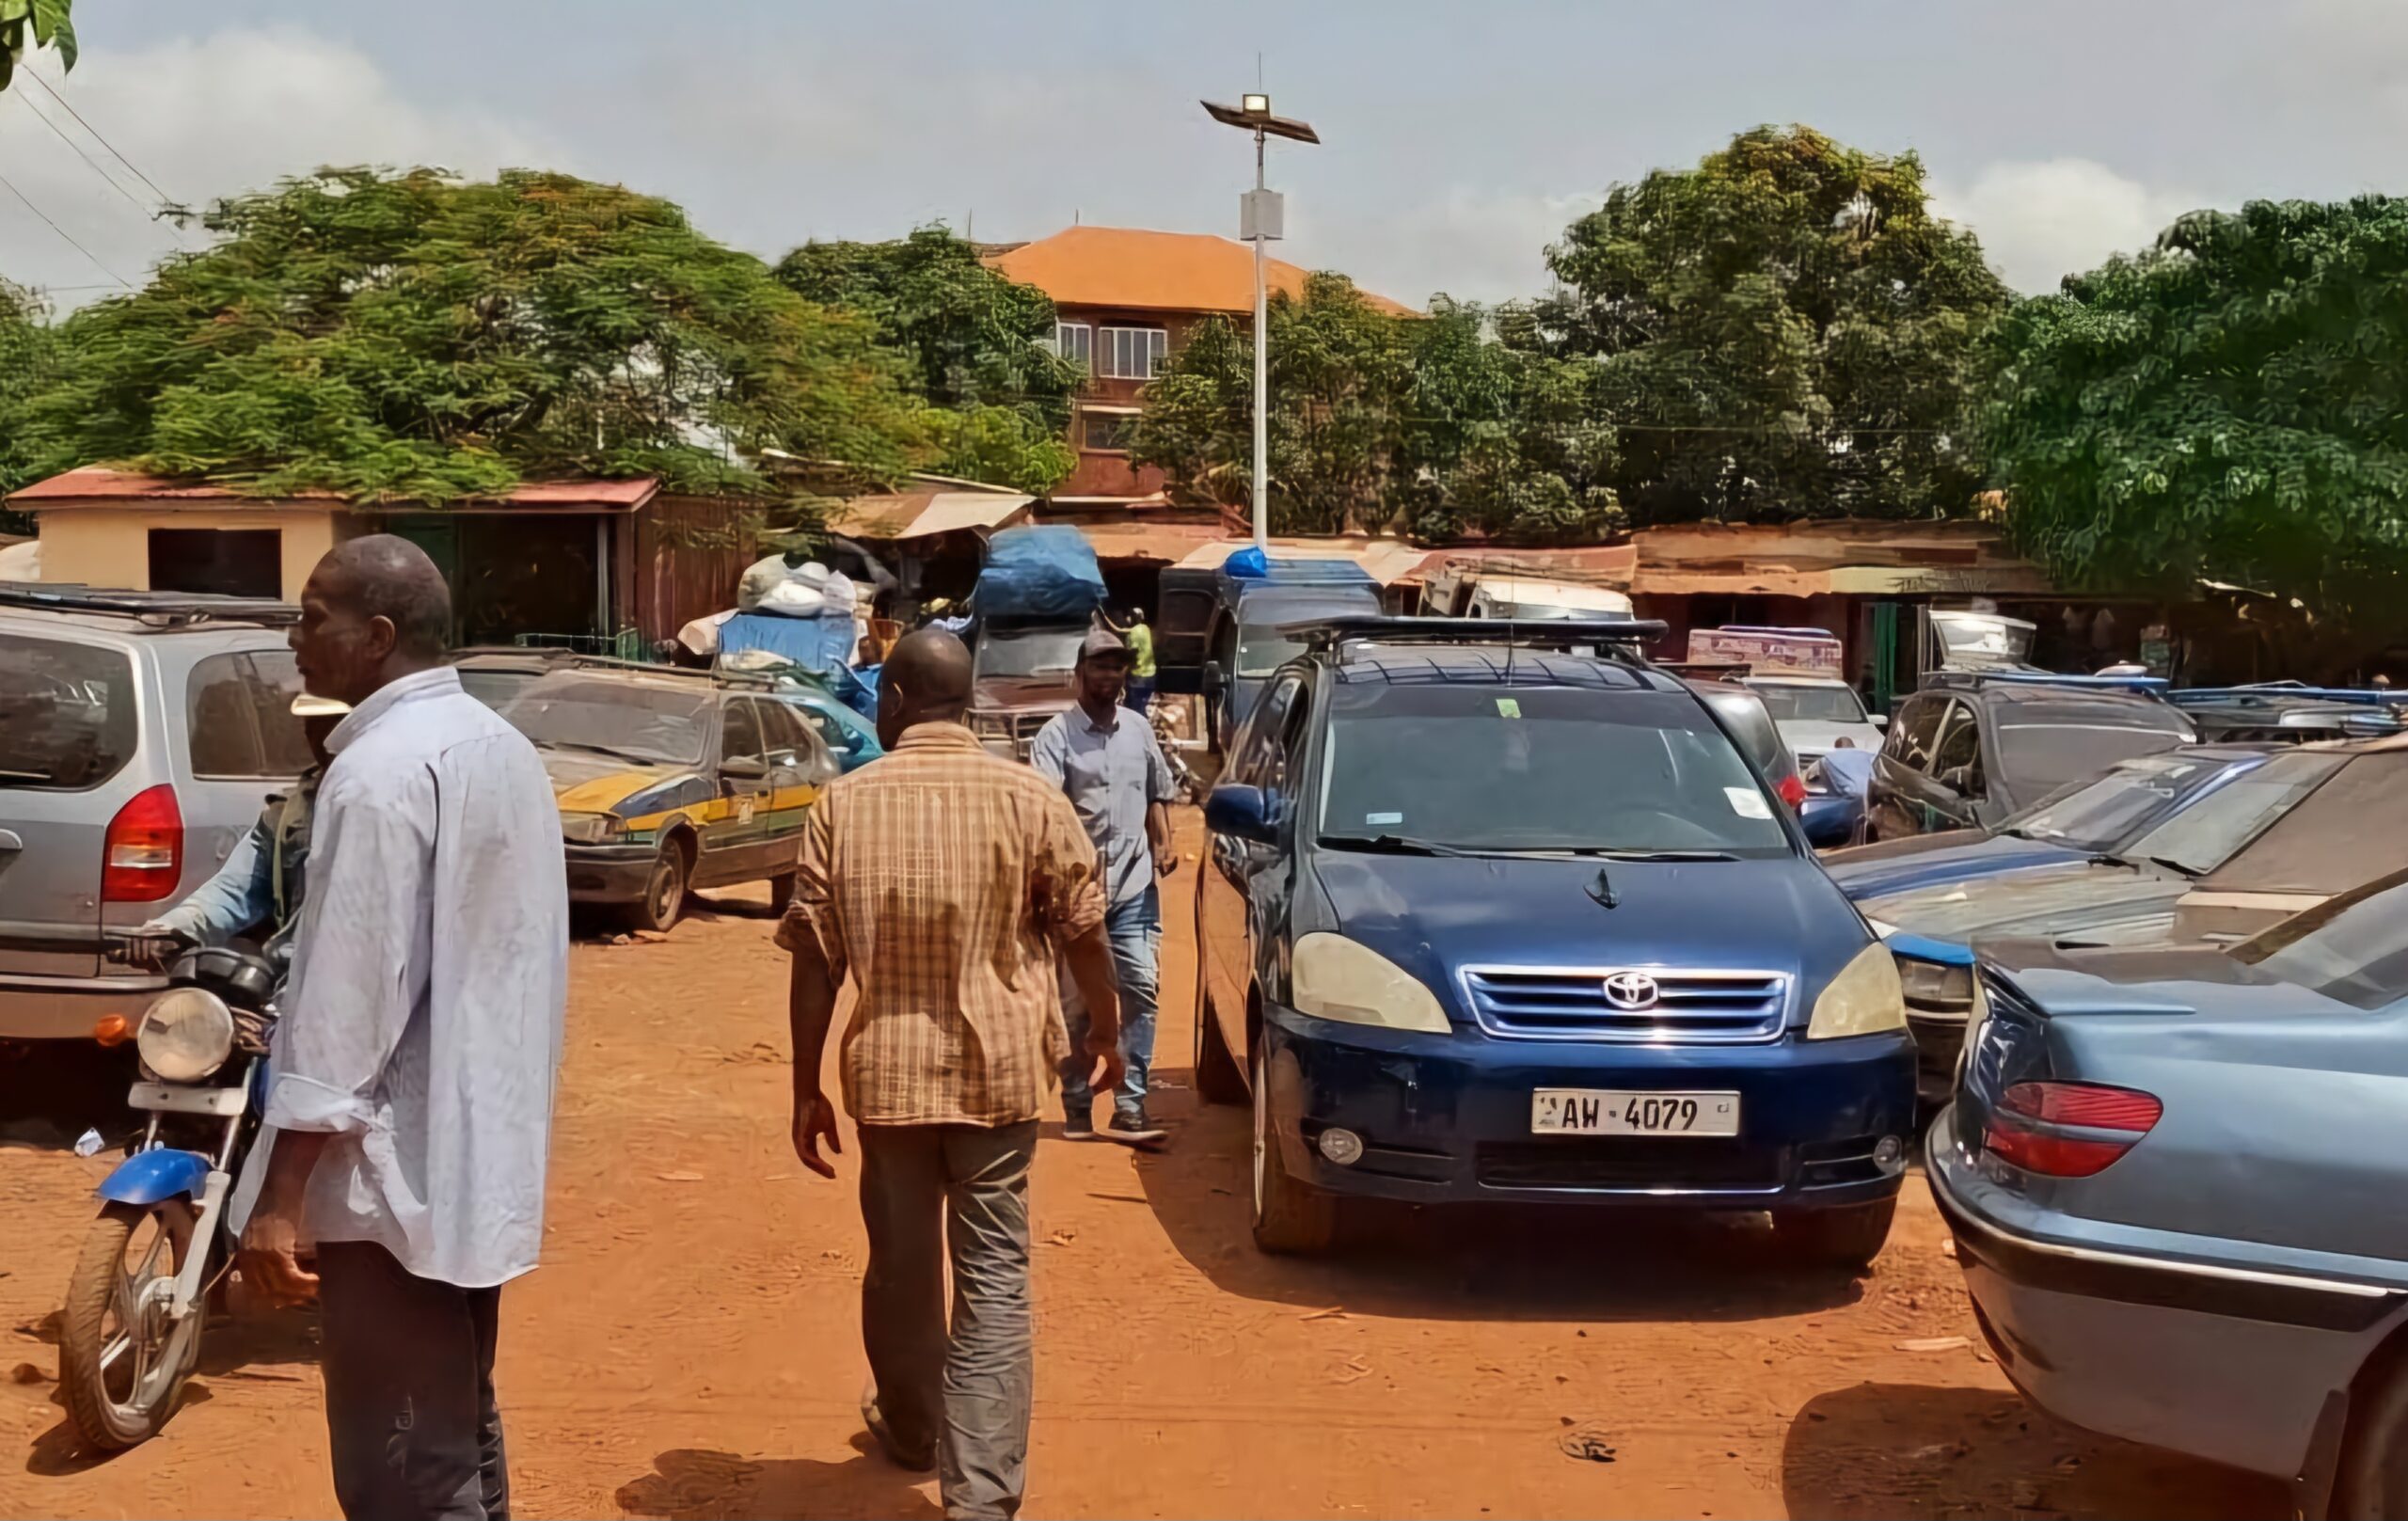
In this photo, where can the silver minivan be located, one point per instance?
(140, 735)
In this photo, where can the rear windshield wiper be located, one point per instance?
(1399, 844)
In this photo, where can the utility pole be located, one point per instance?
(1262, 217)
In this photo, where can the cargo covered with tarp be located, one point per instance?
(1046, 574)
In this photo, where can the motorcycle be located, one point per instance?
(130, 1332)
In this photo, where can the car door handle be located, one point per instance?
(11, 840)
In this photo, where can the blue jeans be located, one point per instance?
(1135, 926)
(1138, 695)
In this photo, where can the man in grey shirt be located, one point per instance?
(1104, 757)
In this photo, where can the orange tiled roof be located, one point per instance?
(1118, 266)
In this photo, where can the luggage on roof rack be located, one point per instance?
(1530, 633)
(161, 609)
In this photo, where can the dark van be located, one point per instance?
(1218, 632)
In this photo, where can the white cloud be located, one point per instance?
(231, 112)
(1486, 246)
(2041, 220)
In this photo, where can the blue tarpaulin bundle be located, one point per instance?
(1044, 572)
(823, 645)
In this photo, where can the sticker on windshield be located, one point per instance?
(1510, 707)
(1748, 802)
(1383, 819)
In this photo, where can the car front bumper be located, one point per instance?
(66, 1008)
(1447, 1119)
(609, 873)
(2245, 1366)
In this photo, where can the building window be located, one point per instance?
(1135, 353)
(1075, 342)
(238, 561)
(1107, 431)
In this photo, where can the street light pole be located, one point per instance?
(1261, 218)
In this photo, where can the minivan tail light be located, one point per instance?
(2035, 1126)
(1792, 791)
(142, 856)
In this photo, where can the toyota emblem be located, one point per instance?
(1631, 991)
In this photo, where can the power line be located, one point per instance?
(64, 233)
(164, 198)
(130, 198)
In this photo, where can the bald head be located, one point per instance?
(925, 680)
(374, 609)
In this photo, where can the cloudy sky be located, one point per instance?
(1459, 137)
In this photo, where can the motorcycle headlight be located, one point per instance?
(186, 1034)
(1932, 987)
(590, 828)
(1864, 999)
(1332, 977)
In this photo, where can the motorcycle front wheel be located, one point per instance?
(123, 1360)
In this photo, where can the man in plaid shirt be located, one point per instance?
(944, 882)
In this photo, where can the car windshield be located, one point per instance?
(1560, 768)
(1024, 653)
(2352, 947)
(494, 686)
(67, 713)
(2133, 796)
(636, 720)
(2042, 745)
(1815, 703)
(2207, 834)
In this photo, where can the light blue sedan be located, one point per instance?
(2176, 1177)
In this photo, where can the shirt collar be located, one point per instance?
(409, 688)
(938, 736)
(1093, 727)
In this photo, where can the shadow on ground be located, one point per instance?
(1913, 1450)
(1484, 1262)
(695, 1484)
(267, 1347)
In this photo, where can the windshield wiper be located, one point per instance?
(1399, 844)
(1609, 852)
(585, 747)
(2180, 868)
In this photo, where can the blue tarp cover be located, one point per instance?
(823, 644)
(1042, 572)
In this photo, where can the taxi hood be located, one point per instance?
(2100, 899)
(1434, 915)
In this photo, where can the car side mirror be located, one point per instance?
(1243, 813)
(744, 767)
(1214, 678)
(1880, 720)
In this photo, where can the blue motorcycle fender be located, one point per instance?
(161, 1173)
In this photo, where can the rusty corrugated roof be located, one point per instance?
(99, 485)
(1130, 267)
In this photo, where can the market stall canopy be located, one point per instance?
(922, 514)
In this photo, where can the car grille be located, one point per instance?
(1637, 1162)
(1705, 1008)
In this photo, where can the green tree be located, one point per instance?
(27, 344)
(42, 23)
(2231, 404)
(980, 346)
(1784, 330)
(408, 337)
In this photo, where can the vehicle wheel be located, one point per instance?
(781, 892)
(1288, 1217)
(2371, 1481)
(1849, 1237)
(121, 1361)
(664, 891)
(1218, 1080)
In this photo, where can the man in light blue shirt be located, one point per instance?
(1104, 757)
(415, 1063)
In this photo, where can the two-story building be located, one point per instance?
(1126, 301)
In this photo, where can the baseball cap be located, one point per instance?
(307, 706)
(1102, 641)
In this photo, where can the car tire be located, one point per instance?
(2370, 1482)
(780, 892)
(1218, 1076)
(664, 889)
(1849, 1236)
(1290, 1216)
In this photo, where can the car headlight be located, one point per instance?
(1936, 986)
(186, 1034)
(1864, 999)
(1331, 977)
(991, 725)
(592, 828)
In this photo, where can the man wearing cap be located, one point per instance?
(1104, 757)
(260, 884)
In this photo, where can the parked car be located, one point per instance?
(1221, 634)
(1534, 928)
(2173, 1179)
(851, 739)
(670, 779)
(2289, 712)
(2272, 840)
(1815, 713)
(1974, 748)
(140, 735)
(1828, 818)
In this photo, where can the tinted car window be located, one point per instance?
(67, 713)
(740, 732)
(2353, 949)
(1559, 768)
(1960, 747)
(238, 714)
(1916, 727)
(2042, 745)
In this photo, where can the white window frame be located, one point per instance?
(1081, 351)
(1156, 347)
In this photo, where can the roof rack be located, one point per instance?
(2291, 691)
(1618, 634)
(156, 610)
(1976, 680)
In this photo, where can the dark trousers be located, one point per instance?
(930, 1193)
(408, 1364)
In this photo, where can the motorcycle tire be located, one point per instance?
(114, 1407)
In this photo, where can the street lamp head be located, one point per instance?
(1255, 106)
(1254, 115)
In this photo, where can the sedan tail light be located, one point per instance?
(2068, 1130)
(142, 856)
(1793, 791)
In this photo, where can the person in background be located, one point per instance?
(1140, 640)
(260, 884)
(945, 883)
(415, 1064)
(1109, 764)
(1846, 769)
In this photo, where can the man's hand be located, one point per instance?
(1165, 863)
(153, 944)
(271, 1258)
(1104, 1045)
(814, 1120)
